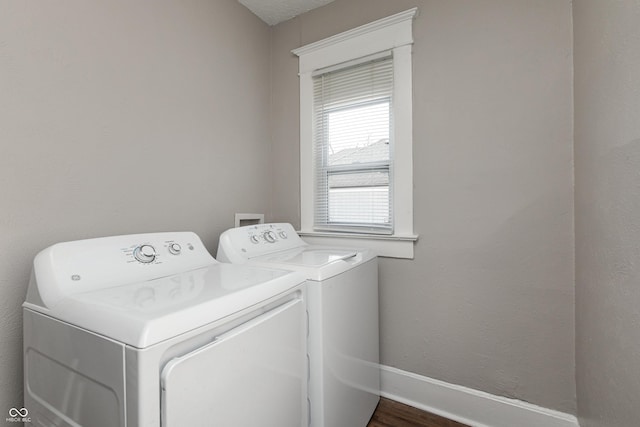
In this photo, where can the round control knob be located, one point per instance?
(175, 249)
(270, 236)
(254, 239)
(145, 253)
(283, 234)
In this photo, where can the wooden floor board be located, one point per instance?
(390, 413)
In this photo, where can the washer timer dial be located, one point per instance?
(145, 254)
(270, 236)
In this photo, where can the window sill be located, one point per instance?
(392, 246)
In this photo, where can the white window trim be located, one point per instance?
(393, 33)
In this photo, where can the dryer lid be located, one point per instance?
(145, 313)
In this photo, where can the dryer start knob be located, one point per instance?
(145, 253)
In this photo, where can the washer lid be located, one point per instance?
(315, 262)
(145, 313)
(310, 256)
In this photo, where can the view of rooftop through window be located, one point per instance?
(358, 136)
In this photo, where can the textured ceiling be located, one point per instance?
(275, 11)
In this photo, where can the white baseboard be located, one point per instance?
(466, 405)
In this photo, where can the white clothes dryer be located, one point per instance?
(342, 286)
(149, 330)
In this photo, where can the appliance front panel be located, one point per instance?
(344, 347)
(261, 365)
(72, 377)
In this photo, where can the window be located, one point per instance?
(356, 176)
(352, 155)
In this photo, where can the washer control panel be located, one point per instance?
(255, 240)
(266, 234)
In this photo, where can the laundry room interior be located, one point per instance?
(515, 300)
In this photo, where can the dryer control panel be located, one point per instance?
(86, 265)
(240, 244)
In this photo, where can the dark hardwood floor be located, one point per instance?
(390, 413)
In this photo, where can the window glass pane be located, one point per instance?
(359, 134)
(359, 198)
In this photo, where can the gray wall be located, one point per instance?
(123, 117)
(488, 302)
(607, 156)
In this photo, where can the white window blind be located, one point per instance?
(352, 148)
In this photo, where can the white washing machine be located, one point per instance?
(149, 330)
(343, 316)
